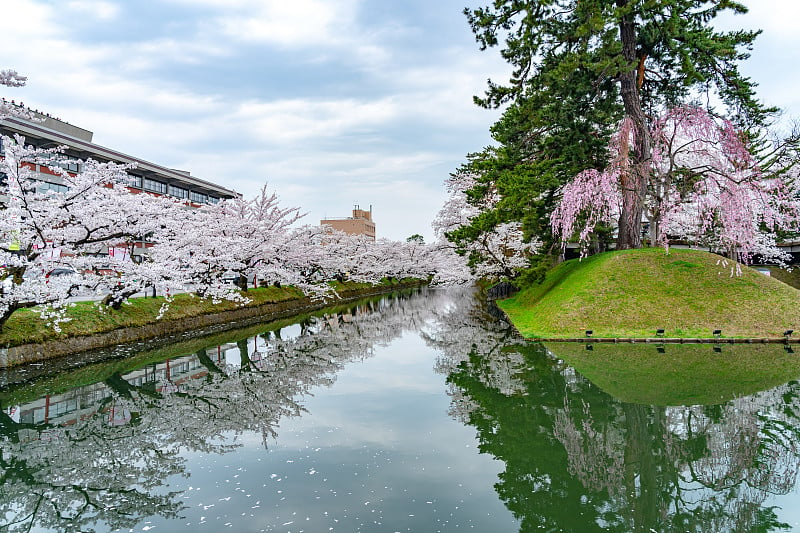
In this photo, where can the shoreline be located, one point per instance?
(198, 325)
(646, 295)
(669, 340)
(650, 340)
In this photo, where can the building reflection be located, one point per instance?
(78, 404)
(257, 352)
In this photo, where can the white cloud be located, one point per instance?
(95, 9)
(293, 121)
(153, 53)
(778, 18)
(25, 13)
(296, 23)
(302, 23)
(775, 52)
(338, 110)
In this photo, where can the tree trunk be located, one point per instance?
(206, 361)
(633, 180)
(116, 298)
(644, 465)
(245, 364)
(5, 315)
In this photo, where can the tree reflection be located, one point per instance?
(70, 478)
(104, 453)
(576, 459)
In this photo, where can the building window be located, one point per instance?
(155, 186)
(135, 181)
(70, 165)
(213, 200)
(178, 192)
(199, 197)
(44, 186)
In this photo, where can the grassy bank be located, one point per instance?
(88, 318)
(631, 293)
(790, 277)
(65, 378)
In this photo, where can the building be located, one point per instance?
(359, 224)
(44, 131)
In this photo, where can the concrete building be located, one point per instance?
(45, 131)
(359, 224)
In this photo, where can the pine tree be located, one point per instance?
(580, 66)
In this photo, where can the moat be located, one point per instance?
(415, 412)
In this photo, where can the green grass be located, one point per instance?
(685, 374)
(790, 277)
(86, 318)
(631, 293)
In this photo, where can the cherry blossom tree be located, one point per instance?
(71, 230)
(497, 251)
(314, 255)
(95, 228)
(260, 226)
(74, 230)
(235, 238)
(709, 188)
(704, 186)
(10, 78)
(320, 254)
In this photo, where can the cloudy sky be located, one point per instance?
(332, 102)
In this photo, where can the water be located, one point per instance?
(414, 413)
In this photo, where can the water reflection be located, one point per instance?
(97, 456)
(101, 450)
(577, 459)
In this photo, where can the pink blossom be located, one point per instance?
(704, 187)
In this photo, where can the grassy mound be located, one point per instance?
(632, 293)
(681, 374)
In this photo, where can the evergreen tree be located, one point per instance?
(579, 67)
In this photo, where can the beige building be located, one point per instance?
(359, 224)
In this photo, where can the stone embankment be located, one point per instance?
(189, 326)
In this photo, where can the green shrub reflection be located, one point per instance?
(681, 374)
(578, 459)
